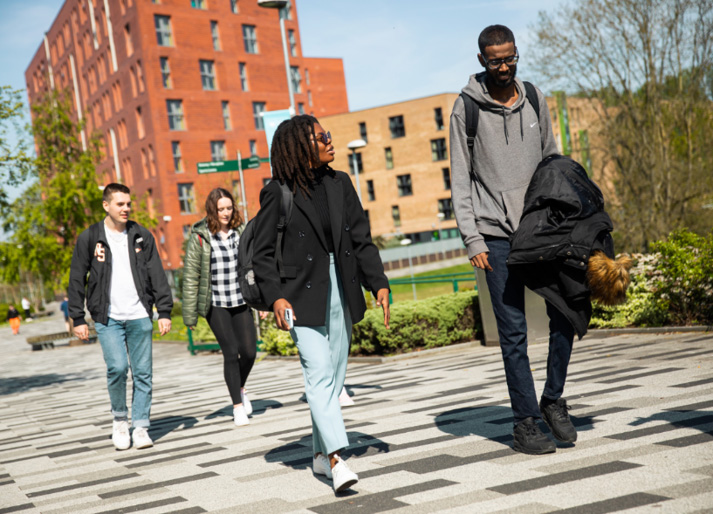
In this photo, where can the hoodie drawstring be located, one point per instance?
(522, 134)
(505, 126)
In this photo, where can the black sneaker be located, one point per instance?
(555, 416)
(528, 438)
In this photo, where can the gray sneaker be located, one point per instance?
(528, 438)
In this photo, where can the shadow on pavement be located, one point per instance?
(12, 385)
(703, 421)
(259, 407)
(162, 426)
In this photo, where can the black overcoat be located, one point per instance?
(305, 255)
(562, 224)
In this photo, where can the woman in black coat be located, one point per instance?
(328, 254)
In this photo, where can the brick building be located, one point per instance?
(404, 169)
(170, 83)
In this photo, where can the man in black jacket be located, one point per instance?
(117, 270)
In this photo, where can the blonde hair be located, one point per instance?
(608, 278)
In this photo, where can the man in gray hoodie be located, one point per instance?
(489, 185)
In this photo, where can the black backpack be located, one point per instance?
(246, 274)
(472, 112)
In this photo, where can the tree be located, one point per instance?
(647, 67)
(46, 220)
(14, 158)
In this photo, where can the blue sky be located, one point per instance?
(393, 50)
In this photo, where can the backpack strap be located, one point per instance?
(286, 202)
(531, 94)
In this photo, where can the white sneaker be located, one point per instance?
(240, 417)
(246, 403)
(320, 466)
(120, 435)
(344, 399)
(343, 477)
(141, 438)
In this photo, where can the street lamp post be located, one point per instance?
(281, 4)
(354, 146)
(407, 243)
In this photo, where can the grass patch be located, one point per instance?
(402, 293)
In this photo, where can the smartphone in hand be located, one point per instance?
(289, 318)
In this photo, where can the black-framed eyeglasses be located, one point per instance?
(324, 137)
(494, 64)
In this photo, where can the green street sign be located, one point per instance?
(217, 166)
(250, 163)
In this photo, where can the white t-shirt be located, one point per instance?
(124, 302)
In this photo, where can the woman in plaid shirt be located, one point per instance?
(210, 289)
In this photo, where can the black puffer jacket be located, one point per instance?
(562, 224)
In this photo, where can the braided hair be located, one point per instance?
(294, 154)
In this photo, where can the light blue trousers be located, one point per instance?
(323, 355)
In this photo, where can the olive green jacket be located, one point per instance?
(197, 292)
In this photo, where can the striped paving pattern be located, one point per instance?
(430, 434)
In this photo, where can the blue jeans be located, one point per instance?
(323, 355)
(116, 338)
(508, 297)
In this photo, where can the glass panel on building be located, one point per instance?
(186, 198)
(177, 157)
(176, 119)
(388, 154)
(370, 190)
(207, 75)
(438, 149)
(225, 107)
(438, 116)
(396, 126)
(243, 76)
(250, 39)
(258, 109)
(164, 35)
(403, 182)
(166, 73)
(362, 131)
(217, 151)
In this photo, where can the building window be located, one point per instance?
(309, 98)
(389, 158)
(215, 35)
(177, 157)
(250, 39)
(296, 79)
(127, 40)
(359, 165)
(362, 131)
(370, 190)
(396, 126)
(176, 120)
(163, 30)
(186, 198)
(198, 4)
(217, 151)
(306, 76)
(292, 42)
(301, 108)
(140, 123)
(446, 179)
(186, 231)
(438, 149)
(438, 116)
(253, 147)
(234, 6)
(207, 75)
(226, 115)
(166, 73)
(446, 207)
(244, 76)
(403, 182)
(258, 109)
(396, 215)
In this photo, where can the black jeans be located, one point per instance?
(235, 331)
(508, 297)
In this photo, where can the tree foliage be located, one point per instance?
(14, 158)
(46, 220)
(647, 67)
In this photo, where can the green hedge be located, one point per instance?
(673, 285)
(437, 321)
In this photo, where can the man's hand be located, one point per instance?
(382, 300)
(279, 309)
(164, 326)
(481, 261)
(82, 332)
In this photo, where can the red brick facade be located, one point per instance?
(113, 70)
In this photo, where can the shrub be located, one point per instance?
(430, 323)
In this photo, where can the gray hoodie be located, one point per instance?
(509, 145)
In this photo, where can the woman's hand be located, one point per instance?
(279, 309)
(382, 299)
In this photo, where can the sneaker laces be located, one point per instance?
(560, 409)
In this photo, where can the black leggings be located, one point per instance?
(235, 331)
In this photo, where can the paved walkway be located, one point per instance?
(428, 434)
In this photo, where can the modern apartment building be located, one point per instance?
(404, 169)
(167, 84)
